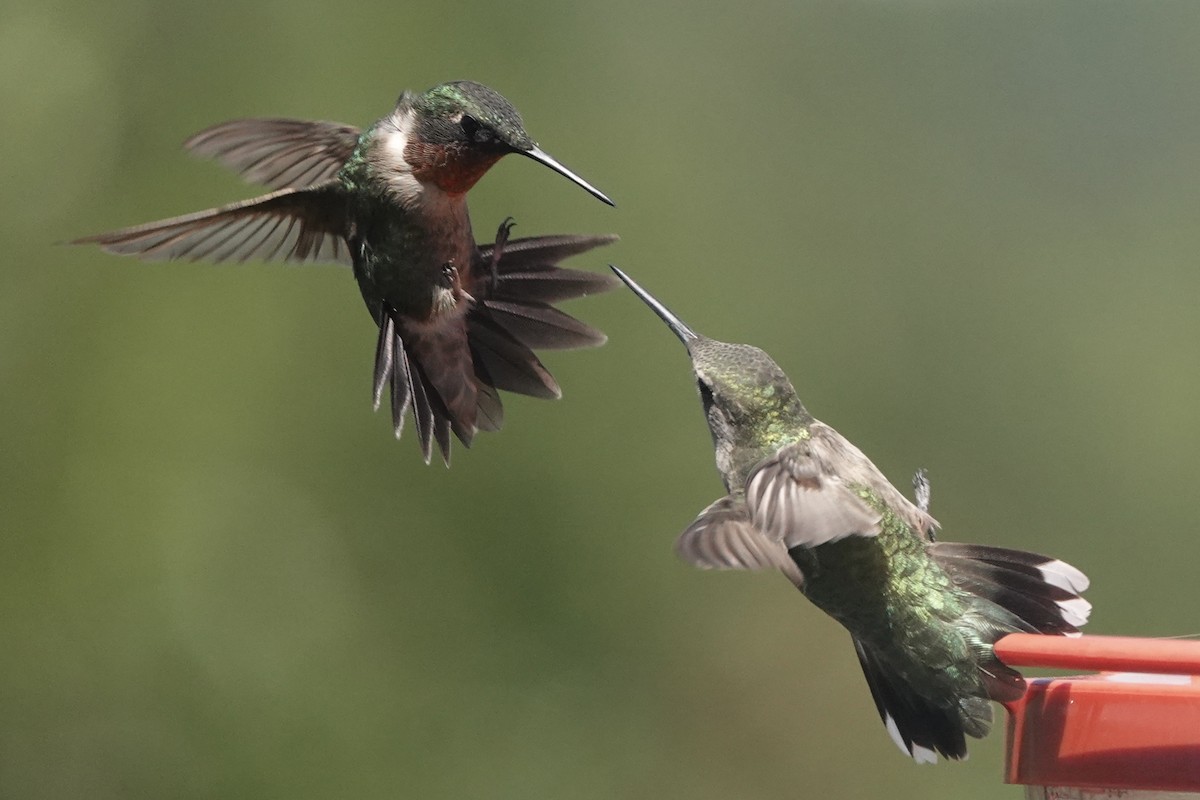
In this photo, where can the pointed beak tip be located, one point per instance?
(677, 326)
(545, 159)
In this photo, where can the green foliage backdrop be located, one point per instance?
(967, 230)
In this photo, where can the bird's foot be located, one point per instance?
(452, 280)
(498, 248)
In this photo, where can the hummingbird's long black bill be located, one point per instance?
(685, 334)
(542, 157)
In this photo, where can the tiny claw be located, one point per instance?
(498, 249)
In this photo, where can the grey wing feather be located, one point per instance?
(723, 537)
(278, 153)
(287, 225)
(794, 498)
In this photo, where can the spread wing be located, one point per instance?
(723, 537)
(278, 153)
(287, 225)
(795, 498)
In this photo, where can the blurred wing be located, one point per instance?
(723, 537)
(287, 225)
(278, 153)
(795, 500)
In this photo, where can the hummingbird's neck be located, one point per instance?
(415, 171)
(388, 170)
(442, 215)
(739, 451)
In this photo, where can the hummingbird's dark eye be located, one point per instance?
(475, 131)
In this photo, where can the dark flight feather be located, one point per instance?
(278, 153)
(917, 726)
(537, 325)
(422, 410)
(511, 365)
(287, 225)
(401, 384)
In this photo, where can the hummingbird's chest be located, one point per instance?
(401, 254)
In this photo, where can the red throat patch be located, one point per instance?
(452, 169)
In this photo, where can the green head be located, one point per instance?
(469, 111)
(462, 129)
(748, 400)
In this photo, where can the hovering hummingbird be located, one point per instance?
(457, 320)
(923, 615)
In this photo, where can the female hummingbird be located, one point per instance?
(922, 614)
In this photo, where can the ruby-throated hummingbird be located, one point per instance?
(456, 321)
(923, 615)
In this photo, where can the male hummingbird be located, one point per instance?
(457, 321)
(923, 615)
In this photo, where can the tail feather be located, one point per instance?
(385, 354)
(1043, 593)
(446, 364)
(1008, 591)
(1014, 591)
(452, 375)
(925, 726)
(422, 410)
(432, 419)
(1050, 570)
(401, 394)
(921, 729)
(441, 434)
(1034, 612)
(395, 370)
(489, 410)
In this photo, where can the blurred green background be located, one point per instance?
(967, 231)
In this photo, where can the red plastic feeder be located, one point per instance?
(1133, 730)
